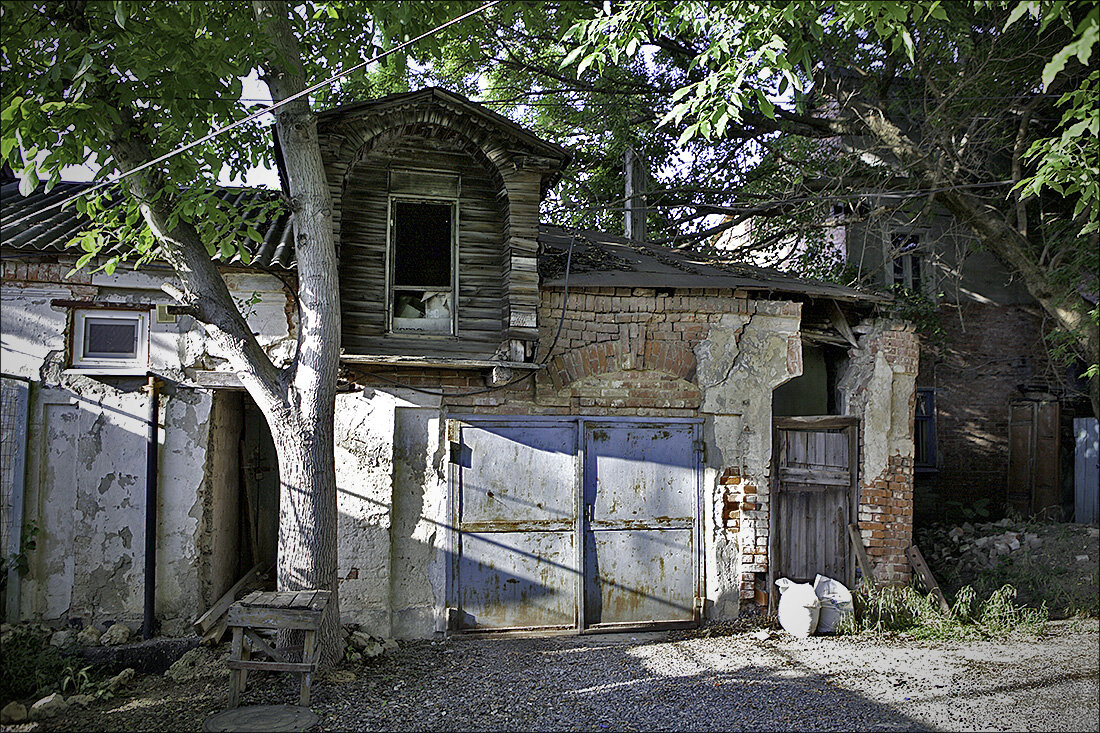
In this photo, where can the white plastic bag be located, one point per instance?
(798, 607)
(836, 603)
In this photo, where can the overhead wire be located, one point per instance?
(268, 109)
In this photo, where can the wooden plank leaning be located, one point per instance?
(861, 553)
(925, 574)
(208, 620)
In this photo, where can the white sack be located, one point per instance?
(798, 607)
(836, 603)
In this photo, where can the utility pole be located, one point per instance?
(635, 196)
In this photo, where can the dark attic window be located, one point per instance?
(422, 255)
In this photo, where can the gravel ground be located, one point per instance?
(663, 681)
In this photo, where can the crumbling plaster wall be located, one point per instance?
(364, 480)
(392, 500)
(878, 385)
(743, 358)
(87, 445)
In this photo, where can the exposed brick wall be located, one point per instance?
(621, 351)
(988, 351)
(745, 512)
(28, 273)
(886, 519)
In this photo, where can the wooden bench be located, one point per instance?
(299, 610)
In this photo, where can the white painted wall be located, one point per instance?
(87, 448)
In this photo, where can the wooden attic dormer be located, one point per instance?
(422, 182)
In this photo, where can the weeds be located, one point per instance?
(84, 681)
(30, 665)
(903, 609)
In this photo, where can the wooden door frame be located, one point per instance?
(850, 426)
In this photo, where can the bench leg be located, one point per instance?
(246, 655)
(307, 658)
(235, 674)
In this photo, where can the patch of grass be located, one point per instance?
(905, 610)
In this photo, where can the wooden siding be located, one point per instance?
(459, 141)
(363, 251)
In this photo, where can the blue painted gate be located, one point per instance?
(573, 523)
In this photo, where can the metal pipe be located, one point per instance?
(151, 470)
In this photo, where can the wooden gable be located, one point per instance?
(437, 147)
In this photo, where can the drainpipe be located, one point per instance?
(151, 466)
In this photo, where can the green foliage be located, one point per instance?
(28, 542)
(30, 665)
(920, 310)
(85, 680)
(904, 610)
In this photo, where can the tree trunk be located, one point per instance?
(304, 435)
(1000, 239)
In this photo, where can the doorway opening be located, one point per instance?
(241, 501)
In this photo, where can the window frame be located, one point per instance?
(925, 425)
(391, 212)
(894, 255)
(130, 365)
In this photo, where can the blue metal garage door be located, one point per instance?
(572, 523)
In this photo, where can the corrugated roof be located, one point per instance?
(599, 259)
(605, 260)
(28, 222)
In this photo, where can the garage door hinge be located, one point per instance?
(701, 449)
(456, 451)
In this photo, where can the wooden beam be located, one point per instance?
(214, 636)
(926, 577)
(436, 361)
(861, 552)
(840, 323)
(208, 620)
(817, 422)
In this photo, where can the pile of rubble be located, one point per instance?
(361, 646)
(976, 546)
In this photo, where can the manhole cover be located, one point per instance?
(261, 719)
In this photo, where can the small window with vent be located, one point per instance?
(110, 340)
(422, 272)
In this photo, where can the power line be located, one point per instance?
(184, 148)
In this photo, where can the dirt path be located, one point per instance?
(647, 682)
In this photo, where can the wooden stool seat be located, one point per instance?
(292, 610)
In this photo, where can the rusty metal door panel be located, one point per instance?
(514, 508)
(640, 496)
(518, 475)
(517, 580)
(638, 576)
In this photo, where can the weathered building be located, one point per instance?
(643, 436)
(995, 412)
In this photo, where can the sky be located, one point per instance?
(253, 91)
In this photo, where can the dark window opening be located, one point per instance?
(110, 338)
(422, 244)
(907, 266)
(924, 430)
(422, 297)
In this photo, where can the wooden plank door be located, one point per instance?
(815, 484)
(1034, 457)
